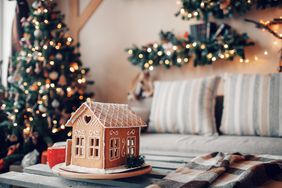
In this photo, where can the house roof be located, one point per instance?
(110, 115)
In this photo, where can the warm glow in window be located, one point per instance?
(131, 144)
(114, 148)
(79, 146)
(94, 148)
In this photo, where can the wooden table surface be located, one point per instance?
(41, 176)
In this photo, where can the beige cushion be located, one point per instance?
(184, 107)
(252, 105)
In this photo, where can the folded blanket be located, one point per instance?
(226, 170)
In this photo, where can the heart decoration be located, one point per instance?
(87, 119)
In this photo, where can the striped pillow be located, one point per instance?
(184, 107)
(252, 105)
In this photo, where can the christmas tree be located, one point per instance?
(47, 80)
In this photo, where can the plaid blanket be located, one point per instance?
(221, 170)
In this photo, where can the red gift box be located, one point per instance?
(56, 154)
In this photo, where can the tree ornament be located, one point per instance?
(42, 108)
(38, 68)
(59, 56)
(36, 4)
(54, 75)
(224, 4)
(55, 103)
(48, 81)
(10, 79)
(62, 80)
(37, 33)
(33, 87)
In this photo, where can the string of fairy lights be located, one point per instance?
(177, 51)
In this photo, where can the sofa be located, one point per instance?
(168, 144)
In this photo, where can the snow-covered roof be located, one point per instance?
(110, 115)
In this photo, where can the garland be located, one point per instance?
(220, 9)
(224, 44)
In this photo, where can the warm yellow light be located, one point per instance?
(213, 58)
(46, 21)
(69, 39)
(209, 56)
(63, 127)
(129, 52)
(179, 60)
(225, 46)
(151, 68)
(155, 45)
(194, 44)
(72, 69)
(167, 62)
(149, 50)
(59, 26)
(69, 133)
(186, 59)
(52, 62)
(160, 53)
(45, 47)
(188, 46)
(265, 52)
(168, 53)
(150, 62)
(174, 48)
(16, 110)
(140, 56)
(54, 130)
(203, 46)
(146, 65)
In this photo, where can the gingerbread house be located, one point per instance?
(104, 135)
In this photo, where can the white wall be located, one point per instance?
(7, 12)
(117, 24)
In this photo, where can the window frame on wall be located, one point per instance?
(114, 151)
(131, 145)
(94, 147)
(79, 147)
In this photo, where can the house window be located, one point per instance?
(79, 146)
(114, 148)
(94, 148)
(131, 144)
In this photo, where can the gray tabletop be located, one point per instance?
(41, 176)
